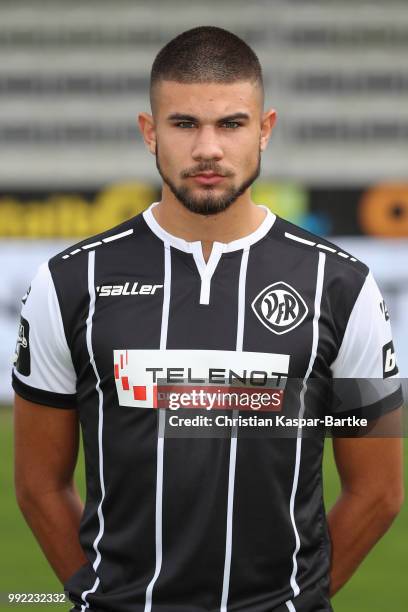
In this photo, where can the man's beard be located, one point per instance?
(211, 203)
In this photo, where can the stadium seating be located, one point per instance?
(74, 75)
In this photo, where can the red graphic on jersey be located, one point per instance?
(139, 391)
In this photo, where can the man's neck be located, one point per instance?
(242, 218)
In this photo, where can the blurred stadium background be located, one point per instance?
(73, 77)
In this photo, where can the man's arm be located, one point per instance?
(46, 450)
(370, 471)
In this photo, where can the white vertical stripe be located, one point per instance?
(160, 436)
(290, 606)
(234, 435)
(166, 296)
(89, 321)
(241, 299)
(230, 509)
(317, 303)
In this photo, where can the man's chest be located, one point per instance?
(264, 322)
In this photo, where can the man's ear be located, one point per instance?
(268, 121)
(148, 131)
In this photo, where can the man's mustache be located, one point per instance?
(206, 167)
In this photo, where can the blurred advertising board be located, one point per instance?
(379, 210)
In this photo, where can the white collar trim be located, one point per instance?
(224, 247)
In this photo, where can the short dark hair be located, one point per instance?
(206, 54)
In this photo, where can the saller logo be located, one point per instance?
(135, 288)
(280, 308)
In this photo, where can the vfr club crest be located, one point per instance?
(280, 308)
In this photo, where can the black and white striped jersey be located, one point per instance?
(177, 519)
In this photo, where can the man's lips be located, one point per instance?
(208, 178)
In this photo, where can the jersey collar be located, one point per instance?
(225, 247)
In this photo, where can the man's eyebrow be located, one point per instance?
(182, 117)
(233, 117)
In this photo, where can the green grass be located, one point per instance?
(379, 585)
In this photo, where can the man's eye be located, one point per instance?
(185, 124)
(231, 124)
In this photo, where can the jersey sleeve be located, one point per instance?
(43, 371)
(365, 371)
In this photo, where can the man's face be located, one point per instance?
(208, 141)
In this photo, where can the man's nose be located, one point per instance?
(206, 144)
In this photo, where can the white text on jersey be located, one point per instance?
(136, 289)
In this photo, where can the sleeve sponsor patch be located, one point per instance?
(25, 296)
(22, 355)
(384, 310)
(390, 367)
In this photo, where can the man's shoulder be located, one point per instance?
(340, 261)
(74, 254)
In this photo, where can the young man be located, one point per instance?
(207, 289)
